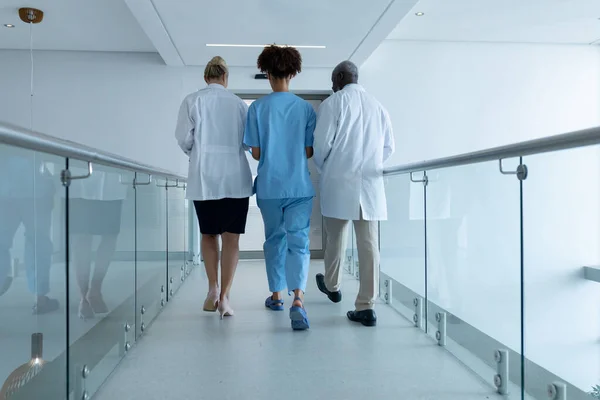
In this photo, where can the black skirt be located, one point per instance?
(224, 215)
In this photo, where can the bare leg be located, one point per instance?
(82, 255)
(210, 255)
(229, 261)
(104, 256)
(298, 294)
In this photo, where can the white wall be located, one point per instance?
(451, 98)
(124, 103)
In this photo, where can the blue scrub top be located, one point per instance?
(282, 125)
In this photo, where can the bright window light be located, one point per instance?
(264, 45)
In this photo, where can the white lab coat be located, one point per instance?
(353, 138)
(102, 185)
(210, 130)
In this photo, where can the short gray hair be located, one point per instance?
(348, 68)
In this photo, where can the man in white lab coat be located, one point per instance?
(353, 138)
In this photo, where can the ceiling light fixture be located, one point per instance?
(419, 14)
(264, 45)
(9, 26)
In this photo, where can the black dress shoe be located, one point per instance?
(365, 317)
(336, 297)
(45, 305)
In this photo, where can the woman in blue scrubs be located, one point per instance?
(279, 130)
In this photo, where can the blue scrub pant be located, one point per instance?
(287, 254)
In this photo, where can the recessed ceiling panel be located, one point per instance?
(340, 25)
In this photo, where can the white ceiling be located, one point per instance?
(92, 25)
(181, 29)
(523, 21)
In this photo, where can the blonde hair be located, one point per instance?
(216, 69)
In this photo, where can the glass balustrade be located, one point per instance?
(84, 269)
(500, 268)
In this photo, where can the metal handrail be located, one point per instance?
(586, 137)
(24, 138)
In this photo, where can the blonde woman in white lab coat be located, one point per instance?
(210, 131)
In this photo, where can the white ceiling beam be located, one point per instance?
(389, 19)
(147, 16)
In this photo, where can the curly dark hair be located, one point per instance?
(280, 62)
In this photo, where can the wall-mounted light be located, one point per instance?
(9, 26)
(264, 45)
(419, 14)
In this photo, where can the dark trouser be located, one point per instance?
(36, 217)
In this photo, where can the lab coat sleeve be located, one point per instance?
(309, 139)
(244, 118)
(251, 138)
(325, 132)
(389, 146)
(184, 132)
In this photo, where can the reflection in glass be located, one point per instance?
(151, 233)
(27, 199)
(32, 293)
(95, 207)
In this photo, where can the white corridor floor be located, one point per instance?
(190, 354)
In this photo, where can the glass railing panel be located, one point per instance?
(473, 265)
(561, 198)
(33, 289)
(350, 240)
(101, 234)
(151, 255)
(176, 236)
(355, 264)
(187, 251)
(402, 243)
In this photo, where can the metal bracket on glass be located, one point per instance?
(424, 180)
(122, 182)
(183, 185)
(418, 317)
(166, 185)
(162, 296)
(440, 335)
(136, 183)
(142, 324)
(387, 295)
(196, 259)
(66, 177)
(80, 391)
(557, 391)
(125, 345)
(501, 377)
(521, 172)
(357, 270)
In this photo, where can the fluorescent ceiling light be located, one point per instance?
(264, 45)
(9, 26)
